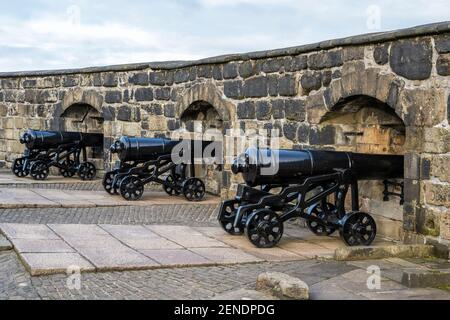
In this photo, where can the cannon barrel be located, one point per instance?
(142, 149)
(282, 167)
(45, 140)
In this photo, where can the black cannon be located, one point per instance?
(304, 182)
(66, 151)
(148, 160)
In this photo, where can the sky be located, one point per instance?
(51, 34)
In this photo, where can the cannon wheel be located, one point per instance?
(320, 229)
(39, 170)
(171, 189)
(358, 229)
(108, 181)
(18, 169)
(264, 229)
(131, 188)
(69, 169)
(227, 218)
(87, 171)
(194, 189)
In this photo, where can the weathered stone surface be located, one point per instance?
(113, 96)
(204, 71)
(287, 86)
(373, 253)
(424, 107)
(322, 136)
(443, 65)
(442, 43)
(181, 76)
(255, 87)
(381, 54)
(143, 94)
(110, 80)
(353, 53)
(217, 72)
(278, 107)
(272, 65)
(124, 113)
(295, 110)
(273, 83)
(418, 278)
(5, 245)
(296, 63)
(290, 130)
(169, 110)
(162, 93)
(263, 110)
(230, 71)
(247, 69)
(140, 79)
(437, 194)
(311, 81)
(327, 77)
(283, 286)
(246, 110)
(324, 60)
(157, 78)
(233, 89)
(303, 133)
(412, 59)
(70, 81)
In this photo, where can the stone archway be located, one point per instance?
(200, 109)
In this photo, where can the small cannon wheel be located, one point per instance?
(87, 171)
(194, 189)
(131, 188)
(108, 181)
(39, 170)
(171, 189)
(358, 229)
(227, 217)
(69, 169)
(18, 168)
(264, 229)
(320, 229)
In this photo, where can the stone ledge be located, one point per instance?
(282, 286)
(382, 252)
(423, 30)
(5, 245)
(426, 278)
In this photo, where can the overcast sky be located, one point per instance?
(50, 34)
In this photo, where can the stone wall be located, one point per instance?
(382, 93)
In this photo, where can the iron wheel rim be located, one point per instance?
(264, 229)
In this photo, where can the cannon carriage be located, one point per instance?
(66, 151)
(281, 185)
(147, 160)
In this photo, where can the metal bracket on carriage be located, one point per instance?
(387, 194)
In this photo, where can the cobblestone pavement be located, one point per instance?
(189, 214)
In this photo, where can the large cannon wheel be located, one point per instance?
(18, 168)
(171, 188)
(227, 217)
(39, 170)
(194, 189)
(131, 188)
(358, 229)
(108, 183)
(87, 171)
(317, 212)
(68, 170)
(264, 229)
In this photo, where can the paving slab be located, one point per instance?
(28, 231)
(178, 258)
(8, 178)
(42, 246)
(140, 238)
(186, 237)
(226, 255)
(306, 249)
(50, 263)
(5, 245)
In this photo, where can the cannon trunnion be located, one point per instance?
(66, 151)
(310, 184)
(148, 160)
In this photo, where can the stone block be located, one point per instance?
(272, 65)
(71, 81)
(230, 70)
(283, 286)
(443, 65)
(419, 278)
(428, 221)
(287, 86)
(233, 89)
(325, 60)
(311, 82)
(181, 76)
(383, 252)
(143, 94)
(437, 194)
(110, 80)
(353, 53)
(273, 85)
(30, 83)
(140, 79)
(263, 110)
(278, 109)
(440, 167)
(412, 59)
(445, 225)
(322, 136)
(5, 245)
(295, 110)
(204, 71)
(158, 78)
(381, 54)
(442, 43)
(169, 110)
(256, 87)
(290, 130)
(424, 107)
(296, 63)
(247, 69)
(217, 72)
(162, 93)
(113, 96)
(246, 110)
(351, 77)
